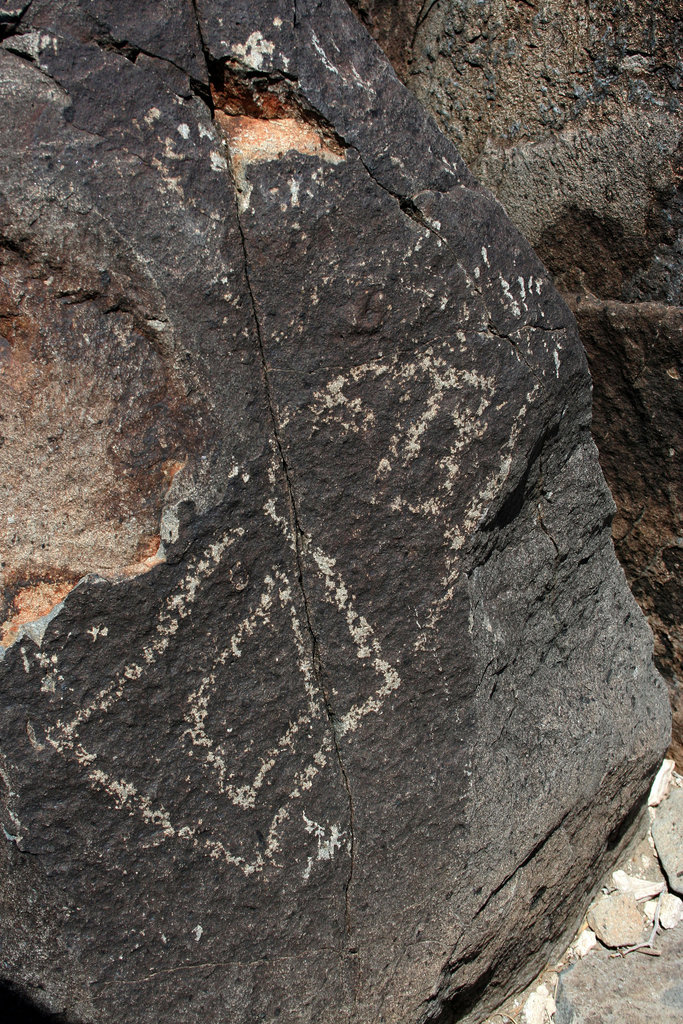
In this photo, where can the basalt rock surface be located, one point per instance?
(323, 694)
(571, 114)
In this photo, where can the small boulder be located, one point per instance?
(643, 862)
(617, 921)
(624, 990)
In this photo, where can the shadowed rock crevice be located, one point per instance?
(17, 1008)
(264, 117)
(241, 92)
(10, 18)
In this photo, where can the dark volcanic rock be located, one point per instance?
(356, 739)
(571, 114)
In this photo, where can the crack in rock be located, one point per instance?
(294, 520)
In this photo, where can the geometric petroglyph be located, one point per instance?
(211, 750)
(332, 405)
(432, 382)
(427, 393)
(240, 775)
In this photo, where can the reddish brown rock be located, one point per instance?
(95, 424)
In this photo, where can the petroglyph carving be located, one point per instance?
(266, 778)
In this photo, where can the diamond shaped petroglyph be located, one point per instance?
(235, 770)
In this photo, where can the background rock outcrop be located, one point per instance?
(571, 115)
(340, 705)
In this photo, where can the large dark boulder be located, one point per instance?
(324, 696)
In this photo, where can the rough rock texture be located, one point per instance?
(571, 115)
(643, 863)
(355, 736)
(624, 990)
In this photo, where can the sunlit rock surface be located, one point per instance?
(339, 703)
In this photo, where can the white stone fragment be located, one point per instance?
(586, 941)
(662, 783)
(670, 910)
(650, 909)
(539, 1007)
(639, 888)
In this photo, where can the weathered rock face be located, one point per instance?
(355, 739)
(571, 115)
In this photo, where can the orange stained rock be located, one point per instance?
(32, 602)
(255, 139)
